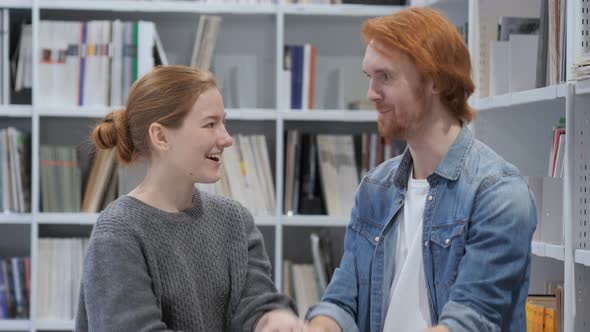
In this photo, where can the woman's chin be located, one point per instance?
(209, 179)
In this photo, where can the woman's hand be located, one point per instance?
(281, 320)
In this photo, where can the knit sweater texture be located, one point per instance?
(201, 269)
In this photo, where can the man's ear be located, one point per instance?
(431, 87)
(158, 137)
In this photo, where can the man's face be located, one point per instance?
(402, 98)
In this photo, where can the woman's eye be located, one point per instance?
(210, 125)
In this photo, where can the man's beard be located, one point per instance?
(391, 129)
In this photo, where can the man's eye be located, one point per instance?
(385, 77)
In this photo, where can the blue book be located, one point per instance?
(4, 314)
(296, 76)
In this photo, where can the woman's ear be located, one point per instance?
(159, 137)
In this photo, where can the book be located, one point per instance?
(510, 25)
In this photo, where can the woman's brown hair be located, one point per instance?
(164, 95)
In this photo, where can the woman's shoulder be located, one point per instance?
(117, 218)
(214, 203)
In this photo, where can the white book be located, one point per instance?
(343, 147)
(77, 265)
(499, 67)
(71, 68)
(210, 41)
(266, 209)
(329, 174)
(231, 164)
(15, 155)
(92, 66)
(41, 281)
(252, 176)
(24, 70)
(104, 79)
(305, 83)
(116, 95)
(285, 102)
(523, 62)
(46, 66)
(301, 295)
(197, 43)
(292, 139)
(4, 167)
(318, 261)
(267, 174)
(66, 280)
(559, 161)
(145, 46)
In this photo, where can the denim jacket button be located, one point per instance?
(376, 239)
(447, 241)
(426, 243)
(429, 197)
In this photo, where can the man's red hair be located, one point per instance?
(436, 48)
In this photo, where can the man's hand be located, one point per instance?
(281, 320)
(324, 324)
(438, 328)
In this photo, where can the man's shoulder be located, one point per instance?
(484, 166)
(384, 173)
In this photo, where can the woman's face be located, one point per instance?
(196, 147)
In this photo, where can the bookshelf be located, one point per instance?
(509, 101)
(260, 31)
(15, 325)
(554, 251)
(583, 257)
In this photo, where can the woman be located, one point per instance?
(166, 256)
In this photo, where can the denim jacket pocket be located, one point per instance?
(447, 248)
(367, 229)
(444, 235)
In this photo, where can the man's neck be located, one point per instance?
(429, 146)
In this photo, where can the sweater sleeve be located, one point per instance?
(259, 294)
(116, 288)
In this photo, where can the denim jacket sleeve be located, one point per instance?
(340, 300)
(497, 256)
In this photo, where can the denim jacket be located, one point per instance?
(477, 229)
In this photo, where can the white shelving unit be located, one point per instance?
(158, 7)
(314, 221)
(15, 325)
(13, 218)
(548, 250)
(549, 94)
(16, 4)
(516, 125)
(582, 257)
(54, 325)
(42, 120)
(330, 116)
(16, 111)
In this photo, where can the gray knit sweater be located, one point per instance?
(201, 269)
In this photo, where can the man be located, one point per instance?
(439, 238)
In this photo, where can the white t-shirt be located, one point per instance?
(408, 307)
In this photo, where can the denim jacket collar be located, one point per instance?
(449, 168)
